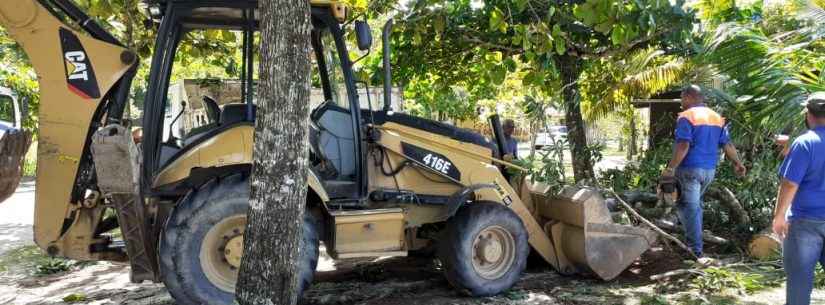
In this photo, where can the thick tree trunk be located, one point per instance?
(268, 273)
(570, 67)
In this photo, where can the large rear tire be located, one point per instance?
(485, 249)
(201, 246)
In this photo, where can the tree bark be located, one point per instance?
(570, 67)
(268, 272)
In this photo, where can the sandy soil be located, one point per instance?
(383, 281)
(16, 218)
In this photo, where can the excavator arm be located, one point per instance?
(84, 75)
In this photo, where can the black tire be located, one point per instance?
(456, 250)
(187, 227)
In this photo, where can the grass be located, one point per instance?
(29, 167)
(31, 261)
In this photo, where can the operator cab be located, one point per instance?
(335, 134)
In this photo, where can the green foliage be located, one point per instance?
(74, 298)
(30, 260)
(717, 280)
(52, 266)
(609, 85)
(29, 166)
(463, 43)
(653, 300)
(643, 175)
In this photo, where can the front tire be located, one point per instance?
(201, 246)
(485, 249)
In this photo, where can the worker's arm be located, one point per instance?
(787, 191)
(679, 154)
(684, 137)
(733, 156)
(793, 170)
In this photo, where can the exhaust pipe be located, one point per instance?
(385, 40)
(498, 134)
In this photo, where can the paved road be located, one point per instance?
(17, 217)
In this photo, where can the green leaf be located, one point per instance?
(618, 35)
(227, 35)
(439, 24)
(496, 19)
(520, 5)
(498, 74)
(551, 11)
(510, 64)
(561, 47)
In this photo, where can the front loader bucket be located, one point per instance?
(13, 146)
(584, 234)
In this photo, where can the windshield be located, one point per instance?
(333, 70)
(6, 109)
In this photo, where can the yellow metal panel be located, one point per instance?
(231, 147)
(368, 231)
(64, 115)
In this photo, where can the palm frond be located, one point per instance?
(644, 73)
(760, 73)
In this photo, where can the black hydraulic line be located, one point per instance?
(84, 21)
(114, 114)
(385, 40)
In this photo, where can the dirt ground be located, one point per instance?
(383, 281)
(392, 281)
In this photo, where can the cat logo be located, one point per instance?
(75, 68)
(80, 77)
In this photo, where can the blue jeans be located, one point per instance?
(801, 250)
(694, 182)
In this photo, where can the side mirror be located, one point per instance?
(363, 35)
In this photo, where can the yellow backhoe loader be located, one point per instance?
(14, 142)
(382, 183)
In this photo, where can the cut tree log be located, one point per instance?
(707, 236)
(765, 246)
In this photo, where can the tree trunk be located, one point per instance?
(570, 67)
(268, 273)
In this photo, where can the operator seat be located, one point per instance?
(213, 111)
(234, 113)
(332, 139)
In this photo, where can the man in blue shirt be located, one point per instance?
(802, 189)
(510, 143)
(700, 132)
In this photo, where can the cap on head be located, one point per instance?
(816, 104)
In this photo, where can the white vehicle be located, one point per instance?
(546, 138)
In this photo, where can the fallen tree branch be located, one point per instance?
(726, 198)
(707, 236)
(672, 273)
(639, 196)
(698, 270)
(653, 226)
